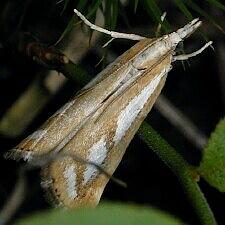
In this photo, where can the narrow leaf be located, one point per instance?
(155, 12)
(183, 9)
(66, 2)
(114, 14)
(203, 13)
(93, 8)
(217, 4)
(81, 4)
(135, 6)
(68, 28)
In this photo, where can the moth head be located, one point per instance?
(174, 38)
(188, 29)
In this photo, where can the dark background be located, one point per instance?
(197, 91)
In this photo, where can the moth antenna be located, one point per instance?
(113, 34)
(193, 54)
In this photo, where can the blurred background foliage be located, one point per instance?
(30, 91)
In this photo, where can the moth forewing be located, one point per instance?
(99, 123)
(105, 138)
(69, 118)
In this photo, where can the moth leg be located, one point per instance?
(193, 54)
(108, 42)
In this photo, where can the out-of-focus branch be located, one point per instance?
(15, 199)
(180, 121)
(22, 112)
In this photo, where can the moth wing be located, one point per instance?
(103, 140)
(73, 114)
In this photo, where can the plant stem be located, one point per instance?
(181, 169)
(74, 72)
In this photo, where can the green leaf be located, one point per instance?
(68, 29)
(212, 166)
(217, 4)
(111, 14)
(155, 12)
(115, 13)
(81, 4)
(183, 9)
(135, 6)
(105, 214)
(93, 8)
(66, 2)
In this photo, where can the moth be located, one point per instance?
(98, 124)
